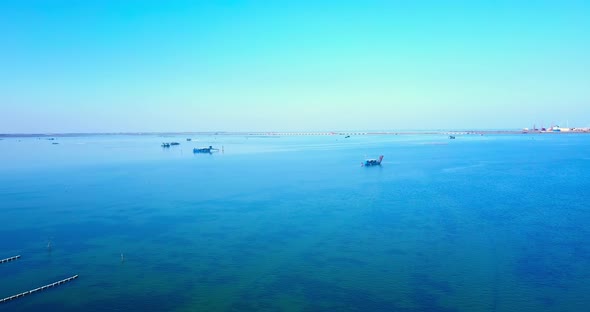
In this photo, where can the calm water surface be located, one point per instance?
(491, 223)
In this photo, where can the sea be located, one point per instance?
(498, 222)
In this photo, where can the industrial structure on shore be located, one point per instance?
(555, 128)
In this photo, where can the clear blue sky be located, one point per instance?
(102, 66)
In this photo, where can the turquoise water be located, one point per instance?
(490, 223)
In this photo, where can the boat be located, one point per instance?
(174, 143)
(452, 137)
(346, 137)
(189, 139)
(165, 144)
(204, 150)
(372, 162)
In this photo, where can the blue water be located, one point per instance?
(480, 223)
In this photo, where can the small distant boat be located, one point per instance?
(174, 143)
(165, 144)
(189, 139)
(204, 150)
(452, 137)
(54, 143)
(373, 162)
(346, 137)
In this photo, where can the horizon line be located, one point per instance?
(309, 132)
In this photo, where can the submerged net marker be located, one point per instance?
(10, 259)
(32, 291)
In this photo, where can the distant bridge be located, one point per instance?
(32, 291)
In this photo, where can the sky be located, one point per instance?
(139, 66)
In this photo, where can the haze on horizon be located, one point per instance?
(137, 66)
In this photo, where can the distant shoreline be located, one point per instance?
(295, 133)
